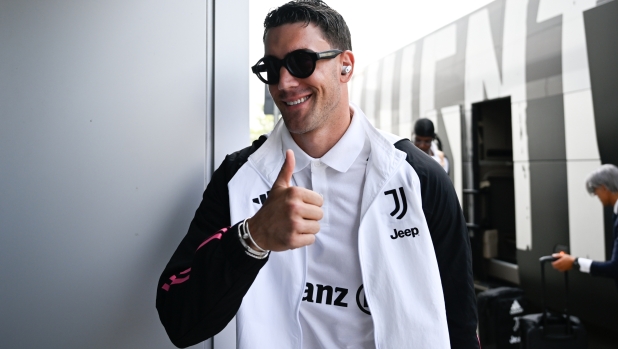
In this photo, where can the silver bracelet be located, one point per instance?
(247, 234)
(248, 250)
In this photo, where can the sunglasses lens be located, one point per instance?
(300, 64)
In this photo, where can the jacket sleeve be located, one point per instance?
(609, 268)
(451, 242)
(203, 284)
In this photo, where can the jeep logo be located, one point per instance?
(413, 232)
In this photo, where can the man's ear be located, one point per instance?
(347, 66)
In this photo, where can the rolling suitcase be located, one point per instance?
(552, 330)
(498, 308)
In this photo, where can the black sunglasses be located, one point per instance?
(300, 63)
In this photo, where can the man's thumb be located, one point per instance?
(285, 175)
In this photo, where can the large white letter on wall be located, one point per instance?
(436, 47)
(386, 93)
(371, 89)
(405, 91)
(586, 233)
(483, 77)
(452, 124)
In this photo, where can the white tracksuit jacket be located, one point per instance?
(406, 279)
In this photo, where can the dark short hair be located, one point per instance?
(424, 128)
(332, 24)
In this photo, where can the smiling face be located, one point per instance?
(311, 103)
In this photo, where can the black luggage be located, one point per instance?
(549, 331)
(498, 308)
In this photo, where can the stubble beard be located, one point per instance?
(323, 108)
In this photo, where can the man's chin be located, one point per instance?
(297, 130)
(295, 127)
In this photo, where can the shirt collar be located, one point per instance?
(344, 153)
(616, 207)
(340, 157)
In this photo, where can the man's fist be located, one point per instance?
(290, 215)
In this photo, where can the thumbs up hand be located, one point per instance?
(290, 215)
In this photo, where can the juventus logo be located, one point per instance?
(393, 192)
(261, 199)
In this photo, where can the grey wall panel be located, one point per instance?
(546, 129)
(543, 52)
(102, 154)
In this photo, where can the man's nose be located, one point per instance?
(286, 80)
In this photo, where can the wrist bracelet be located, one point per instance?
(247, 234)
(248, 250)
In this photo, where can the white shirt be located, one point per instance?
(330, 315)
(434, 154)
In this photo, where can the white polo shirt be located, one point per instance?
(333, 312)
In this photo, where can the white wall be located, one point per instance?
(104, 117)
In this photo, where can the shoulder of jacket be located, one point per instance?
(424, 165)
(233, 162)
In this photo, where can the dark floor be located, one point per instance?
(599, 338)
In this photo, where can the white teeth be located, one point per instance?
(297, 101)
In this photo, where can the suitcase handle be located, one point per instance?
(544, 260)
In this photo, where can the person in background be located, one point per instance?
(425, 139)
(603, 183)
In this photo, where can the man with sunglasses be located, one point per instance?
(327, 233)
